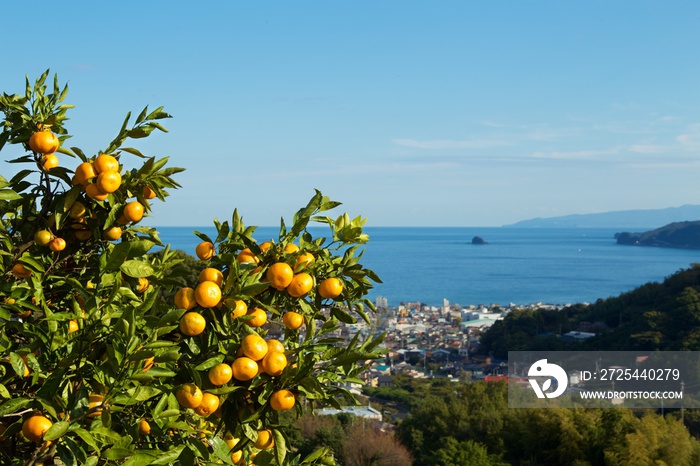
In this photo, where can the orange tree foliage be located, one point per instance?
(96, 369)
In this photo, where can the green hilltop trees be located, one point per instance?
(97, 368)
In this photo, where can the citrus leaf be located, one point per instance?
(10, 406)
(56, 430)
(137, 269)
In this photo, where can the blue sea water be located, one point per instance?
(518, 265)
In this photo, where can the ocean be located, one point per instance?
(518, 265)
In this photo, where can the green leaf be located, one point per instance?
(3, 391)
(137, 269)
(118, 453)
(57, 430)
(10, 406)
(169, 456)
(280, 446)
(140, 459)
(9, 195)
(211, 362)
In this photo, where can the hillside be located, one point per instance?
(654, 316)
(683, 235)
(624, 219)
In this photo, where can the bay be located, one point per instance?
(518, 265)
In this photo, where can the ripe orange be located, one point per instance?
(205, 250)
(84, 173)
(275, 345)
(279, 275)
(95, 401)
(112, 234)
(254, 346)
(133, 211)
(303, 260)
(220, 374)
(291, 248)
(43, 237)
(105, 163)
(238, 308)
(93, 192)
(35, 427)
(184, 298)
(244, 368)
(189, 395)
(209, 404)
(144, 427)
(44, 142)
(73, 326)
(247, 256)
(143, 285)
(300, 285)
(207, 294)
(77, 210)
(57, 244)
(20, 271)
(265, 440)
(109, 181)
(292, 320)
(192, 324)
(211, 274)
(265, 246)
(330, 288)
(148, 192)
(282, 400)
(274, 363)
(259, 317)
(49, 161)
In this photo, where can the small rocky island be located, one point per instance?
(478, 240)
(682, 235)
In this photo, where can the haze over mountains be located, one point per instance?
(624, 219)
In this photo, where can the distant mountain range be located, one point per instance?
(627, 219)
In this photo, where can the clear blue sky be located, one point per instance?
(449, 113)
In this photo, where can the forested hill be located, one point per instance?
(655, 316)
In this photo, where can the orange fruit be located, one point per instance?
(35, 427)
(184, 298)
(303, 260)
(259, 317)
(254, 346)
(189, 395)
(112, 234)
(106, 163)
(211, 274)
(282, 400)
(209, 404)
(83, 235)
(143, 285)
(20, 271)
(275, 345)
(133, 211)
(207, 294)
(300, 285)
(95, 402)
(44, 142)
(205, 250)
(192, 324)
(49, 161)
(148, 192)
(292, 320)
(330, 288)
(247, 256)
(279, 275)
(93, 192)
(144, 427)
(43, 237)
(77, 210)
(238, 308)
(109, 181)
(274, 363)
(265, 440)
(244, 368)
(57, 244)
(73, 326)
(84, 173)
(291, 248)
(265, 246)
(220, 374)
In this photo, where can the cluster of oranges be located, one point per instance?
(46, 143)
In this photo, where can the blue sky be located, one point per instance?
(447, 113)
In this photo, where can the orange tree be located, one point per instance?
(96, 369)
